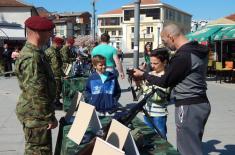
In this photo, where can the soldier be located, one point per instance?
(66, 52)
(54, 58)
(36, 80)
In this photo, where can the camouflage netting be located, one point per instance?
(70, 87)
(65, 146)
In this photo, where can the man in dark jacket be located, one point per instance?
(186, 76)
(7, 59)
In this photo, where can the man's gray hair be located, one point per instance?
(173, 29)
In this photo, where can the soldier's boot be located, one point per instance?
(58, 105)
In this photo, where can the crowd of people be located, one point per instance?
(40, 74)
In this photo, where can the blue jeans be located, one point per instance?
(160, 123)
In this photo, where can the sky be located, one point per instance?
(199, 9)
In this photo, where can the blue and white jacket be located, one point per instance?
(104, 96)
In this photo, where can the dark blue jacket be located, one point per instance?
(104, 96)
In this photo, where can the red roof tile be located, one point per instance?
(117, 11)
(144, 2)
(13, 3)
(231, 17)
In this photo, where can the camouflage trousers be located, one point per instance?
(58, 88)
(38, 141)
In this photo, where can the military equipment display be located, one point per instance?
(69, 89)
(127, 118)
(148, 142)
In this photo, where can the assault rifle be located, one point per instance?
(135, 95)
(126, 119)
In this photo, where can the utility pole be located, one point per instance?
(158, 37)
(136, 35)
(93, 21)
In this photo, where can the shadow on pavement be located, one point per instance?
(209, 147)
(126, 90)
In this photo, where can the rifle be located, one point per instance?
(126, 119)
(130, 73)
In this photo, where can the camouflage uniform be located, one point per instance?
(54, 58)
(34, 109)
(66, 56)
(64, 51)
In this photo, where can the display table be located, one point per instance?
(154, 145)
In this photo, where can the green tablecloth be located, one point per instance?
(65, 146)
(69, 89)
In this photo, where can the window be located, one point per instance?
(132, 45)
(149, 30)
(120, 32)
(187, 19)
(62, 32)
(166, 14)
(117, 45)
(132, 29)
(128, 14)
(155, 13)
(114, 33)
(109, 21)
(179, 17)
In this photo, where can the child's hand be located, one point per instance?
(143, 66)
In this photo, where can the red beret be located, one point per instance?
(39, 23)
(58, 40)
(70, 40)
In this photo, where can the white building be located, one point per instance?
(111, 23)
(153, 15)
(13, 14)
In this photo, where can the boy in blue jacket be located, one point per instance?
(102, 88)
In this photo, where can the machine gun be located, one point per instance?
(126, 119)
(135, 95)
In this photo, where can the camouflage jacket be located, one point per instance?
(66, 55)
(54, 58)
(37, 84)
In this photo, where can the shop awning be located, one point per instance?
(12, 33)
(204, 34)
(219, 35)
(230, 35)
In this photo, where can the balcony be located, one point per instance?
(142, 36)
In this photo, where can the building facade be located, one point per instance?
(111, 23)
(153, 15)
(13, 14)
(72, 24)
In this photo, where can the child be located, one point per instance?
(102, 88)
(156, 105)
